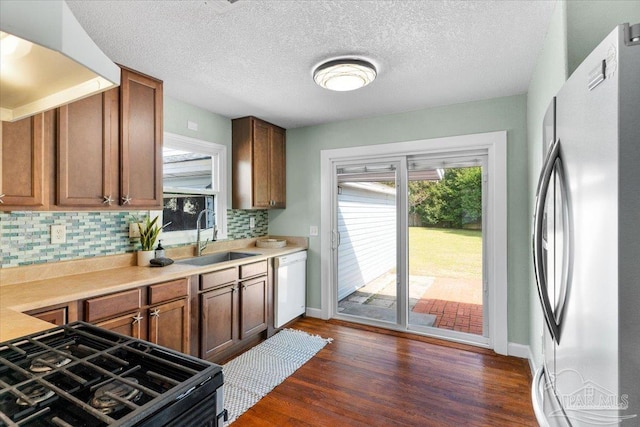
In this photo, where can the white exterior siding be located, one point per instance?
(367, 227)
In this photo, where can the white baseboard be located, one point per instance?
(314, 312)
(532, 363)
(519, 350)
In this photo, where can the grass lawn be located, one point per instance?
(445, 252)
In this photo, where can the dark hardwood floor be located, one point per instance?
(373, 377)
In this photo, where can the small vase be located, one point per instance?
(144, 257)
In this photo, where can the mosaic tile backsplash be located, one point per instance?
(25, 236)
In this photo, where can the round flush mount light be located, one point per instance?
(344, 74)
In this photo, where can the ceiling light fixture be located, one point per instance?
(344, 74)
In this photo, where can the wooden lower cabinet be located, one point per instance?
(219, 320)
(157, 313)
(59, 314)
(169, 325)
(253, 306)
(131, 325)
(234, 314)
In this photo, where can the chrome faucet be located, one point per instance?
(199, 245)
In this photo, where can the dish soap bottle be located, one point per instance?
(159, 250)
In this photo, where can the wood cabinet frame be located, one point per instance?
(134, 191)
(33, 182)
(107, 145)
(258, 164)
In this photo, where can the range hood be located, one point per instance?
(47, 59)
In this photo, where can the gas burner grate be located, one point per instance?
(65, 375)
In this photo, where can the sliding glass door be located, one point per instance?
(446, 246)
(366, 240)
(408, 244)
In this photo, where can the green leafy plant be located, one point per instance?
(149, 232)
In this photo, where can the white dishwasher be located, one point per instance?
(290, 287)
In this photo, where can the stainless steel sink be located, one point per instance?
(215, 258)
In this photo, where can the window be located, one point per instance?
(194, 179)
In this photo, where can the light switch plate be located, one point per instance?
(134, 231)
(313, 230)
(58, 234)
(252, 222)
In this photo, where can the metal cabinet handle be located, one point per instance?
(538, 224)
(137, 318)
(107, 200)
(155, 312)
(1, 196)
(126, 200)
(234, 289)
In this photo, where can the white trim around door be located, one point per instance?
(495, 144)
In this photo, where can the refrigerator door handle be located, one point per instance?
(566, 245)
(538, 223)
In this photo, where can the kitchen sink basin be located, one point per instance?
(215, 258)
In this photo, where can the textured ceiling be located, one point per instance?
(256, 57)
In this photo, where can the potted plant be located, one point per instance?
(149, 231)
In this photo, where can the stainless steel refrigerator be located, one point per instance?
(586, 242)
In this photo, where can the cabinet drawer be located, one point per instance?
(168, 291)
(111, 305)
(253, 269)
(60, 314)
(217, 278)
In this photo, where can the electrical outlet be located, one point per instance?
(58, 234)
(252, 222)
(313, 230)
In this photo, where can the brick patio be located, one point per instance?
(453, 303)
(456, 303)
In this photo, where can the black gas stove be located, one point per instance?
(82, 375)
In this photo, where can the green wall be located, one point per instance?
(588, 22)
(211, 127)
(303, 179)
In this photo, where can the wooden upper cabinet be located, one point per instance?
(140, 140)
(259, 172)
(277, 161)
(87, 151)
(22, 159)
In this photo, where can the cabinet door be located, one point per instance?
(219, 312)
(253, 306)
(141, 140)
(88, 160)
(261, 165)
(277, 168)
(132, 325)
(22, 150)
(169, 325)
(60, 314)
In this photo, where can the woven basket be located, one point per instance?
(271, 243)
